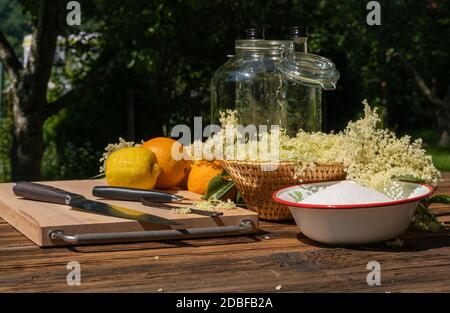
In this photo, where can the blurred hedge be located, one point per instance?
(167, 51)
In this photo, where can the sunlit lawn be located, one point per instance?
(441, 157)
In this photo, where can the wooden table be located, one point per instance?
(278, 256)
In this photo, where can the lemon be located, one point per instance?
(132, 167)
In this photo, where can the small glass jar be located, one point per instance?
(304, 77)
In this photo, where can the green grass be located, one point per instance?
(441, 157)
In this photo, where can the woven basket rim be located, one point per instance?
(254, 184)
(281, 162)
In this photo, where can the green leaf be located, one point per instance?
(409, 178)
(296, 195)
(396, 243)
(239, 199)
(218, 187)
(425, 221)
(445, 199)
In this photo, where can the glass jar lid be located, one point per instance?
(309, 68)
(266, 46)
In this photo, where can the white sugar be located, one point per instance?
(346, 192)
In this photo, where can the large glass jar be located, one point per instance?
(270, 84)
(251, 83)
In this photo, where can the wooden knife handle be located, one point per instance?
(40, 192)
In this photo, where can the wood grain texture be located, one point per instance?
(278, 255)
(35, 219)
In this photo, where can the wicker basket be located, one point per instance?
(256, 186)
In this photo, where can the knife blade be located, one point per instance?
(134, 194)
(44, 193)
(146, 197)
(163, 206)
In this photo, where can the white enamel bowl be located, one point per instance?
(352, 223)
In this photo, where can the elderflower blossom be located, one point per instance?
(228, 117)
(215, 204)
(230, 142)
(372, 156)
(182, 210)
(208, 205)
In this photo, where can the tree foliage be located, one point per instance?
(164, 54)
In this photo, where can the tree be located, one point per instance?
(29, 86)
(442, 106)
(160, 56)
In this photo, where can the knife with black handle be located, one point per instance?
(44, 193)
(146, 197)
(134, 194)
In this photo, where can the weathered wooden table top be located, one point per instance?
(278, 256)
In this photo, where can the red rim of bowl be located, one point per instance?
(348, 206)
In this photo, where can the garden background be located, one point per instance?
(140, 67)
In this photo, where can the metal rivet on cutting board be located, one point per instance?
(55, 234)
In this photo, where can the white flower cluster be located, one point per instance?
(182, 210)
(208, 205)
(215, 204)
(375, 156)
(236, 142)
(372, 156)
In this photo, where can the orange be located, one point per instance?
(183, 184)
(201, 174)
(172, 171)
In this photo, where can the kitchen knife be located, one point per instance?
(146, 197)
(133, 194)
(164, 206)
(40, 192)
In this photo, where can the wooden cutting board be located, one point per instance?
(36, 219)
